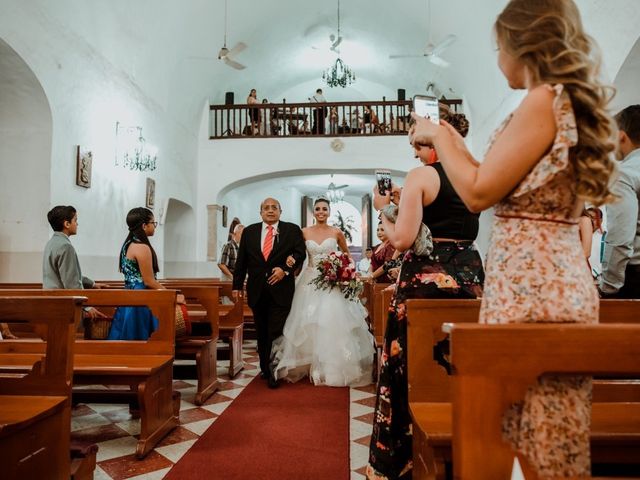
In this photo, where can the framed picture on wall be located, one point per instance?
(84, 159)
(225, 213)
(150, 196)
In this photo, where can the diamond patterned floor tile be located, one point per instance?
(112, 427)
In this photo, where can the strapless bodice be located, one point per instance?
(315, 249)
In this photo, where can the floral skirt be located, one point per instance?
(453, 270)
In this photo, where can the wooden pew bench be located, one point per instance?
(142, 368)
(430, 385)
(35, 405)
(494, 365)
(202, 348)
(230, 319)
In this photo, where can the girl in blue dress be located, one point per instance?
(139, 265)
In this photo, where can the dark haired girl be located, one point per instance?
(139, 264)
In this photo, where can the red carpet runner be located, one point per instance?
(295, 432)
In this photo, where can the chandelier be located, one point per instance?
(338, 74)
(334, 194)
(132, 151)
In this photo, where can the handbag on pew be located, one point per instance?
(183, 324)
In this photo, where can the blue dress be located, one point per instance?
(132, 323)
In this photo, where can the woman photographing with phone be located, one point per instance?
(452, 270)
(538, 193)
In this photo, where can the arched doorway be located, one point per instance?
(179, 240)
(25, 168)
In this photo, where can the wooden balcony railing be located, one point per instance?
(331, 119)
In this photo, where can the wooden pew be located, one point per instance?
(376, 300)
(202, 348)
(430, 385)
(494, 364)
(231, 319)
(35, 406)
(143, 368)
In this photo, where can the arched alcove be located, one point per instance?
(179, 239)
(25, 168)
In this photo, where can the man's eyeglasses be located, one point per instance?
(155, 224)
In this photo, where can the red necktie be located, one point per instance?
(268, 242)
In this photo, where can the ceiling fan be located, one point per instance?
(432, 51)
(225, 54)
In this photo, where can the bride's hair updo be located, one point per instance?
(322, 199)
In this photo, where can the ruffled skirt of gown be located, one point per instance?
(325, 337)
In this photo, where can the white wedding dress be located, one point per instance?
(325, 335)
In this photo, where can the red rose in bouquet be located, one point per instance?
(336, 270)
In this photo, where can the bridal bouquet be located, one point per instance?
(335, 270)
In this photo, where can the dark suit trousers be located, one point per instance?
(631, 287)
(269, 319)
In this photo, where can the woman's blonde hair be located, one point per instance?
(547, 36)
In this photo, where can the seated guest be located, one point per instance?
(139, 264)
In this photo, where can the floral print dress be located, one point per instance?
(536, 273)
(452, 270)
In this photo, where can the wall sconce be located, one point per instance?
(132, 151)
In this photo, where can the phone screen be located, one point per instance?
(427, 106)
(383, 179)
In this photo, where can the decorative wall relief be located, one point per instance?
(84, 159)
(151, 193)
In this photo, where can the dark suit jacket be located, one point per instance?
(288, 241)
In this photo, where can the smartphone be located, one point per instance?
(383, 178)
(427, 106)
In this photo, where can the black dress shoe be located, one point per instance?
(273, 383)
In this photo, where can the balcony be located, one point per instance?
(331, 119)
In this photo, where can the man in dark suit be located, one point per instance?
(262, 254)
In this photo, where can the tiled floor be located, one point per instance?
(111, 427)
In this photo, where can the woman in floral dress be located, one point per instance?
(535, 268)
(452, 270)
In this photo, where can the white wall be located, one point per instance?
(90, 85)
(25, 150)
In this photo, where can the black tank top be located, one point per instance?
(447, 216)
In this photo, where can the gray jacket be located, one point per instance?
(622, 242)
(60, 265)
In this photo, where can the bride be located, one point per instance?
(325, 336)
